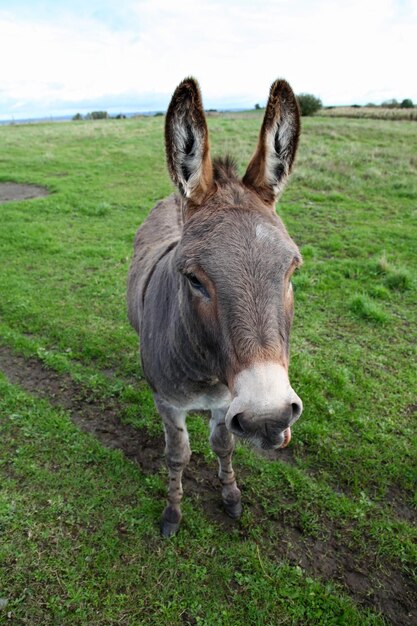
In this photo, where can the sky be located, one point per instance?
(60, 57)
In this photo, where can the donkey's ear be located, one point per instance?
(186, 142)
(271, 164)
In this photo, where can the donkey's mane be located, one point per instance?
(224, 169)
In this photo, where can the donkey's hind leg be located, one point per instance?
(223, 444)
(178, 453)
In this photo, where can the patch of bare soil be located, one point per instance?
(370, 581)
(90, 414)
(18, 191)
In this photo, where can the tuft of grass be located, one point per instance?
(383, 265)
(308, 251)
(380, 292)
(399, 279)
(364, 307)
(396, 278)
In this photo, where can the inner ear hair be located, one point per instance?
(271, 164)
(186, 141)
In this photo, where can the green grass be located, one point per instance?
(363, 306)
(78, 522)
(79, 536)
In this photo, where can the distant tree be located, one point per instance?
(356, 106)
(309, 104)
(77, 117)
(390, 104)
(257, 106)
(371, 105)
(121, 116)
(99, 115)
(407, 103)
(158, 114)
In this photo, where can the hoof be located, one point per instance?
(170, 522)
(169, 529)
(233, 509)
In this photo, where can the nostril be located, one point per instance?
(296, 409)
(235, 424)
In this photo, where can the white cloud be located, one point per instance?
(353, 50)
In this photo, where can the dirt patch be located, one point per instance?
(17, 191)
(368, 580)
(400, 508)
(378, 584)
(398, 499)
(92, 415)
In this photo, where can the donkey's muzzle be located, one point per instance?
(272, 430)
(264, 406)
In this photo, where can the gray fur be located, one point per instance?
(196, 343)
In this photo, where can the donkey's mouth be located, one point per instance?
(284, 439)
(286, 434)
(267, 437)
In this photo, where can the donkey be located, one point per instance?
(210, 294)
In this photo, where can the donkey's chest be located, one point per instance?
(199, 396)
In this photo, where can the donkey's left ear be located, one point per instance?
(271, 164)
(187, 144)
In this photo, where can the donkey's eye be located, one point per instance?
(194, 282)
(197, 285)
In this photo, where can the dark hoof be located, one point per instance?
(170, 522)
(169, 529)
(233, 509)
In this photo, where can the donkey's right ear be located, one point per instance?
(186, 143)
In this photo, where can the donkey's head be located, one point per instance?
(236, 260)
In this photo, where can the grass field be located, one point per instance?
(328, 534)
(378, 113)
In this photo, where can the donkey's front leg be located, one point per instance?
(178, 453)
(223, 444)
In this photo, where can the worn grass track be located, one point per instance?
(328, 534)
